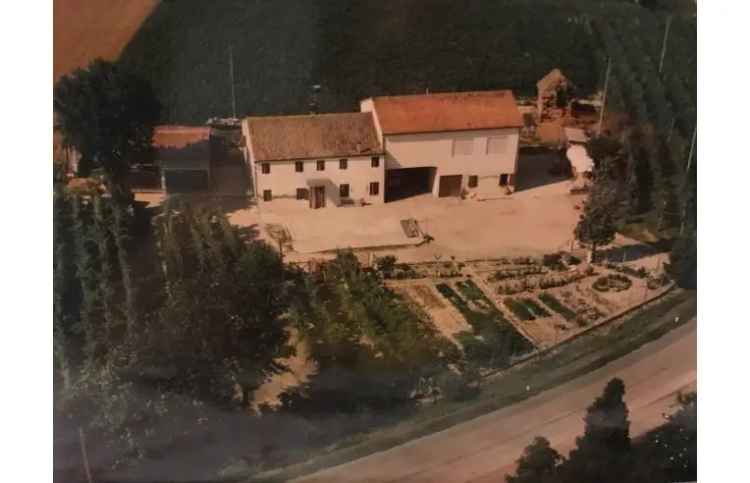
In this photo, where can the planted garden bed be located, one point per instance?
(613, 282)
(495, 339)
(535, 308)
(551, 301)
(519, 309)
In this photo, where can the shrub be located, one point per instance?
(456, 387)
(535, 308)
(614, 282)
(518, 309)
(470, 290)
(551, 301)
(553, 261)
(656, 282)
(385, 265)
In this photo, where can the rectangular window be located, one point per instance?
(321, 165)
(463, 147)
(343, 163)
(374, 188)
(265, 168)
(301, 193)
(267, 195)
(498, 145)
(503, 180)
(344, 190)
(375, 161)
(299, 166)
(473, 181)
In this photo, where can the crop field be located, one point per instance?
(87, 29)
(352, 49)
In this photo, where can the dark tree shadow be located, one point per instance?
(540, 167)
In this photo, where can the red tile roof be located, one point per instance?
(450, 111)
(182, 147)
(168, 136)
(312, 136)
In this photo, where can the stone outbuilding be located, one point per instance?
(550, 90)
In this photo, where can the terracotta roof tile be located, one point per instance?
(450, 111)
(167, 136)
(186, 147)
(312, 136)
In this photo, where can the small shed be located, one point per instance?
(580, 161)
(183, 154)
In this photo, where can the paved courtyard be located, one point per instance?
(538, 218)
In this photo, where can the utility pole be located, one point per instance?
(85, 455)
(692, 148)
(604, 97)
(671, 129)
(664, 43)
(231, 79)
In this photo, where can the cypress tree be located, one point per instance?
(538, 464)
(603, 453)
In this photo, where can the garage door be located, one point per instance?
(185, 181)
(450, 186)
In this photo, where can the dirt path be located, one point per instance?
(484, 449)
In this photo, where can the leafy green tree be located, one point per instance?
(370, 347)
(596, 225)
(386, 265)
(603, 453)
(669, 453)
(540, 463)
(66, 286)
(222, 323)
(604, 150)
(640, 183)
(683, 261)
(106, 114)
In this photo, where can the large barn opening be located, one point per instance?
(407, 182)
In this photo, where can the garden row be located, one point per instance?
(493, 340)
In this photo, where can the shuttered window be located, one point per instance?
(498, 145)
(463, 147)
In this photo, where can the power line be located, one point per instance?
(231, 79)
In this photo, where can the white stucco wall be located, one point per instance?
(283, 180)
(439, 150)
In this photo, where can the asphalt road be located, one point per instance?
(484, 449)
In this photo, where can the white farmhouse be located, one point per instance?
(448, 143)
(319, 159)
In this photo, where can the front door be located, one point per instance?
(318, 198)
